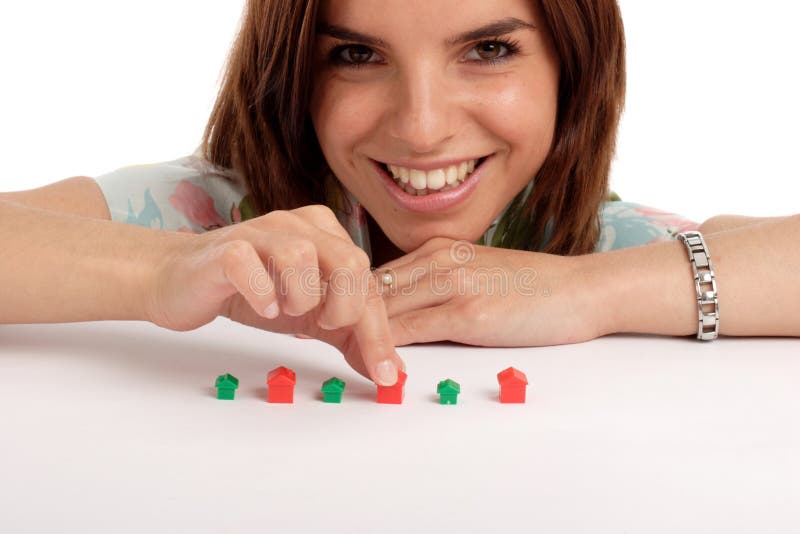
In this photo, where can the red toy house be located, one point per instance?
(280, 382)
(512, 385)
(393, 394)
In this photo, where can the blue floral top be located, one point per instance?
(189, 194)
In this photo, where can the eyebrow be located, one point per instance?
(493, 29)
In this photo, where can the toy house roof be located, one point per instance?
(281, 376)
(333, 385)
(448, 386)
(227, 381)
(511, 377)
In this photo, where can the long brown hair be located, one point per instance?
(261, 129)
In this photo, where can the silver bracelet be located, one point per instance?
(707, 301)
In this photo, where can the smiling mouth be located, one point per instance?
(419, 183)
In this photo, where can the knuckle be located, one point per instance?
(436, 243)
(357, 261)
(442, 256)
(323, 211)
(278, 217)
(322, 216)
(363, 259)
(299, 251)
(236, 252)
(314, 211)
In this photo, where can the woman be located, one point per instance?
(461, 149)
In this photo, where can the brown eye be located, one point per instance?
(488, 50)
(356, 54)
(493, 52)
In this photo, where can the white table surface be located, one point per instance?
(114, 427)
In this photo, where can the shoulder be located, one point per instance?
(192, 167)
(627, 224)
(188, 191)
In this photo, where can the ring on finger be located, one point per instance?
(387, 278)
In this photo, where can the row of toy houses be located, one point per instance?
(282, 380)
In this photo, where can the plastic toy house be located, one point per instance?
(448, 391)
(226, 386)
(393, 394)
(512, 385)
(280, 382)
(332, 390)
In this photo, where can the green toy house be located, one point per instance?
(226, 386)
(332, 390)
(448, 391)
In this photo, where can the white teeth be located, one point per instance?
(418, 180)
(399, 172)
(421, 181)
(452, 175)
(435, 179)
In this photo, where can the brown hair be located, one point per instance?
(261, 129)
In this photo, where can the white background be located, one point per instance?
(710, 125)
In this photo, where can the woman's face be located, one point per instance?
(403, 82)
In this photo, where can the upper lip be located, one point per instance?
(429, 165)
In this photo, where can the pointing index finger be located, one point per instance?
(375, 339)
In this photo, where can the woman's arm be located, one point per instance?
(639, 281)
(650, 288)
(721, 223)
(69, 262)
(59, 267)
(79, 195)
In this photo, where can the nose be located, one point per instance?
(422, 111)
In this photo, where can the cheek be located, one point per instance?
(343, 116)
(522, 113)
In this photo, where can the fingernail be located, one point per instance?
(271, 311)
(386, 373)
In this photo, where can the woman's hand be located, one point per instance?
(458, 291)
(292, 271)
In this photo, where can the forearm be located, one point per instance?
(650, 288)
(65, 268)
(722, 223)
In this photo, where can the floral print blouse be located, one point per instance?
(189, 194)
